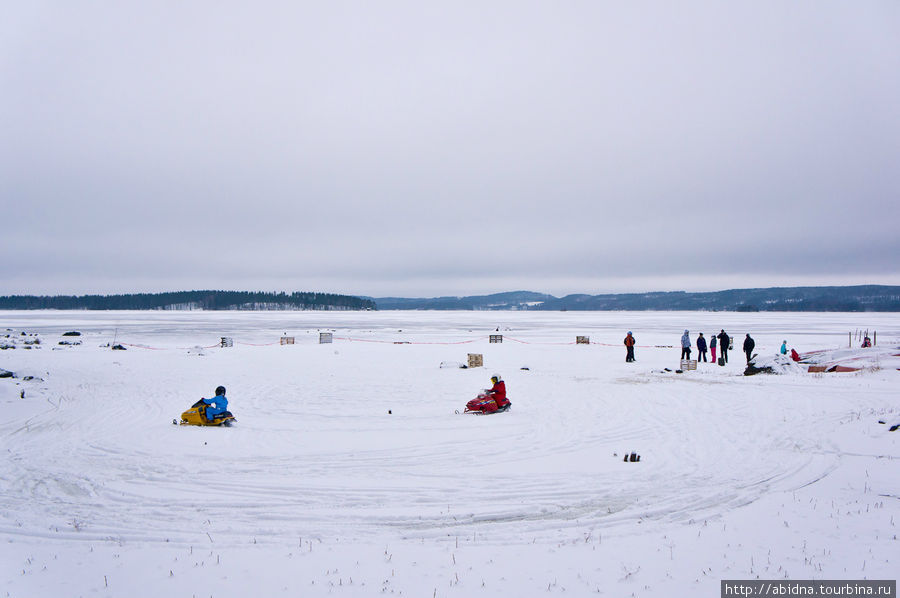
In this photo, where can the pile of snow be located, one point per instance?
(857, 358)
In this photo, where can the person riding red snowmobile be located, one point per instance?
(492, 400)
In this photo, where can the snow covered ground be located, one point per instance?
(349, 474)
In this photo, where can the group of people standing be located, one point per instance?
(721, 341)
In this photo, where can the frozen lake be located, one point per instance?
(349, 472)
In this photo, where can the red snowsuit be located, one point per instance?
(498, 393)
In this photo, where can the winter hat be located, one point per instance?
(629, 332)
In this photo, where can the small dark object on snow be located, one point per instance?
(679, 371)
(881, 421)
(22, 394)
(525, 369)
(389, 412)
(625, 459)
(118, 348)
(72, 333)
(6, 374)
(752, 369)
(894, 428)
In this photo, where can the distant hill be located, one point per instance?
(185, 300)
(850, 298)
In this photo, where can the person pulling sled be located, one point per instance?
(492, 400)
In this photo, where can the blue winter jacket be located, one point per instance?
(217, 405)
(712, 342)
(686, 340)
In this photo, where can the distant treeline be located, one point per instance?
(211, 300)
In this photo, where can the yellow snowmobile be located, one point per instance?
(196, 416)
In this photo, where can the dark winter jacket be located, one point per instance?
(701, 343)
(712, 342)
(749, 343)
(723, 339)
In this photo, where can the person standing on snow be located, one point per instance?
(498, 391)
(701, 348)
(749, 343)
(712, 348)
(686, 345)
(629, 348)
(723, 344)
(216, 405)
(784, 347)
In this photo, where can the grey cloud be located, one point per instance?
(443, 146)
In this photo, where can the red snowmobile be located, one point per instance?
(485, 404)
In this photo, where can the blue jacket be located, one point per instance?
(219, 405)
(686, 340)
(712, 342)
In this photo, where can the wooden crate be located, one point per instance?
(227, 342)
(287, 340)
(582, 340)
(688, 364)
(476, 360)
(496, 338)
(325, 338)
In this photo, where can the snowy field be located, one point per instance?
(349, 473)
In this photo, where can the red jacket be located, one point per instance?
(498, 393)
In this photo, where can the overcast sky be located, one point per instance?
(448, 148)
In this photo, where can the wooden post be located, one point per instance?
(874, 337)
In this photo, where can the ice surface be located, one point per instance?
(348, 472)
